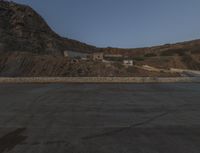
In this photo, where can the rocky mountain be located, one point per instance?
(28, 47)
(22, 29)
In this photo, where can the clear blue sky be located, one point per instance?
(122, 23)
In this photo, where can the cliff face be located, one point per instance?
(22, 29)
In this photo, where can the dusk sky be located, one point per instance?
(122, 23)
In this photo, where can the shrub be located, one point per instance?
(172, 52)
(130, 69)
(118, 65)
(139, 58)
(150, 55)
(195, 50)
(117, 59)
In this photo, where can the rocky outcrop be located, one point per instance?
(22, 29)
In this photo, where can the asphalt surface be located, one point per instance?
(100, 118)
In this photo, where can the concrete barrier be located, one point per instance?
(98, 79)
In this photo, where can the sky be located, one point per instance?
(121, 23)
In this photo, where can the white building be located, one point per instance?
(66, 54)
(96, 56)
(128, 62)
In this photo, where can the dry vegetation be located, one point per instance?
(28, 64)
(28, 47)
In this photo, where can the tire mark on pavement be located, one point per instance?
(109, 133)
(12, 139)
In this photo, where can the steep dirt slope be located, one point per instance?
(28, 64)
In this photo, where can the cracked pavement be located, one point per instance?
(100, 118)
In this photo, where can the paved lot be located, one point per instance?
(83, 118)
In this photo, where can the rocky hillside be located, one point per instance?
(28, 47)
(22, 29)
(184, 55)
(181, 48)
(23, 64)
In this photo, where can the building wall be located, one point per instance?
(128, 62)
(66, 54)
(97, 56)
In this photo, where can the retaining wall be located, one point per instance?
(98, 79)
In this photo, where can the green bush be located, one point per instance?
(117, 59)
(172, 52)
(139, 58)
(130, 69)
(195, 50)
(118, 65)
(150, 55)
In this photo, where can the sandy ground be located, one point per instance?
(90, 118)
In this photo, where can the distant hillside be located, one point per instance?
(22, 29)
(25, 64)
(28, 47)
(180, 55)
(177, 48)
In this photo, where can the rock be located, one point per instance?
(22, 29)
